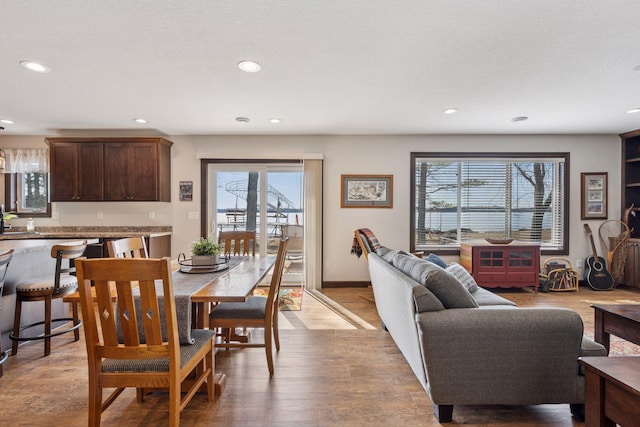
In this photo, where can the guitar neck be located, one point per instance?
(593, 247)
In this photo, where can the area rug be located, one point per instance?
(290, 298)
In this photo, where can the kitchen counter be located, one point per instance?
(34, 245)
(20, 233)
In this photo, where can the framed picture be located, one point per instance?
(593, 195)
(366, 191)
(186, 191)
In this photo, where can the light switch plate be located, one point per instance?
(193, 215)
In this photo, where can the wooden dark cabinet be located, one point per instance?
(77, 171)
(110, 169)
(516, 265)
(138, 171)
(632, 265)
(631, 178)
(631, 195)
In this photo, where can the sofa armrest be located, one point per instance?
(502, 355)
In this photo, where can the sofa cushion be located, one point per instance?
(450, 292)
(425, 300)
(436, 260)
(461, 273)
(486, 298)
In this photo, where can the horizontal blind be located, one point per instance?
(459, 200)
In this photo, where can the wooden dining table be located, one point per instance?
(235, 284)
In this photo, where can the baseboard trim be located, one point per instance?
(343, 284)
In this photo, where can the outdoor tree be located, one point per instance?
(536, 177)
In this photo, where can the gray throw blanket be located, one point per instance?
(184, 285)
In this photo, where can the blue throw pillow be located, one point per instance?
(436, 260)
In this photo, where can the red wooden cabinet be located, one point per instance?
(516, 265)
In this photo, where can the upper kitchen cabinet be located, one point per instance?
(110, 169)
(138, 171)
(77, 170)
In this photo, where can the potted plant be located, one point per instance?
(205, 251)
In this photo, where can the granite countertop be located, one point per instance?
(33, 245)
(20, 233)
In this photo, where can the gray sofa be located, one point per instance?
(491, 353)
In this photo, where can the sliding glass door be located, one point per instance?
(265, 197)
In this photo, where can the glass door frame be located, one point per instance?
(208, 214)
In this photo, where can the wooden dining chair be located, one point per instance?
(62, 283)
(129, 247)
(255, 312)
(5, 259)
(238, 242)
(127, 342)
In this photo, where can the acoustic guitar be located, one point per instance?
(597, 275)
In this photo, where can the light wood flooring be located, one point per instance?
(335, 368)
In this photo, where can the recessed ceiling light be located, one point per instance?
(249, 66)
(450, 111)
(520, 119)
(242, 119)
(140, 120)
(6, 121)
(275, 120)
(633, 111)
(34, 66)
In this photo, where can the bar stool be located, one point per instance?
(63, 283)
(5, 258)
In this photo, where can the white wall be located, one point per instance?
(379, 154)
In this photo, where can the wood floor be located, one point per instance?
(335, 368)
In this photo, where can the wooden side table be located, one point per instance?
(612, 391)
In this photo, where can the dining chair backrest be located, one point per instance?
(238, 242)
(276, 279)
(295, 233)
(104, 338)
(129, 247)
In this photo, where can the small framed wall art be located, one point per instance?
(366, 191)
(593, 195)
(186, 191)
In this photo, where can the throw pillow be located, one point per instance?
(424, 300)
(450, 292)
(385, 253)
(436, 260)
(461, 273)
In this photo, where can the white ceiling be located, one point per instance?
(328, 66)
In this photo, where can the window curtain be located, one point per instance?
(26, 160)
(313, 222)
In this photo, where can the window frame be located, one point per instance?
(11, 182)
(469, 156)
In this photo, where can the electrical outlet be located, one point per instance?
(55, 215)
(193, 215)
(152, 215)
(100, 215)
(579, 263)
